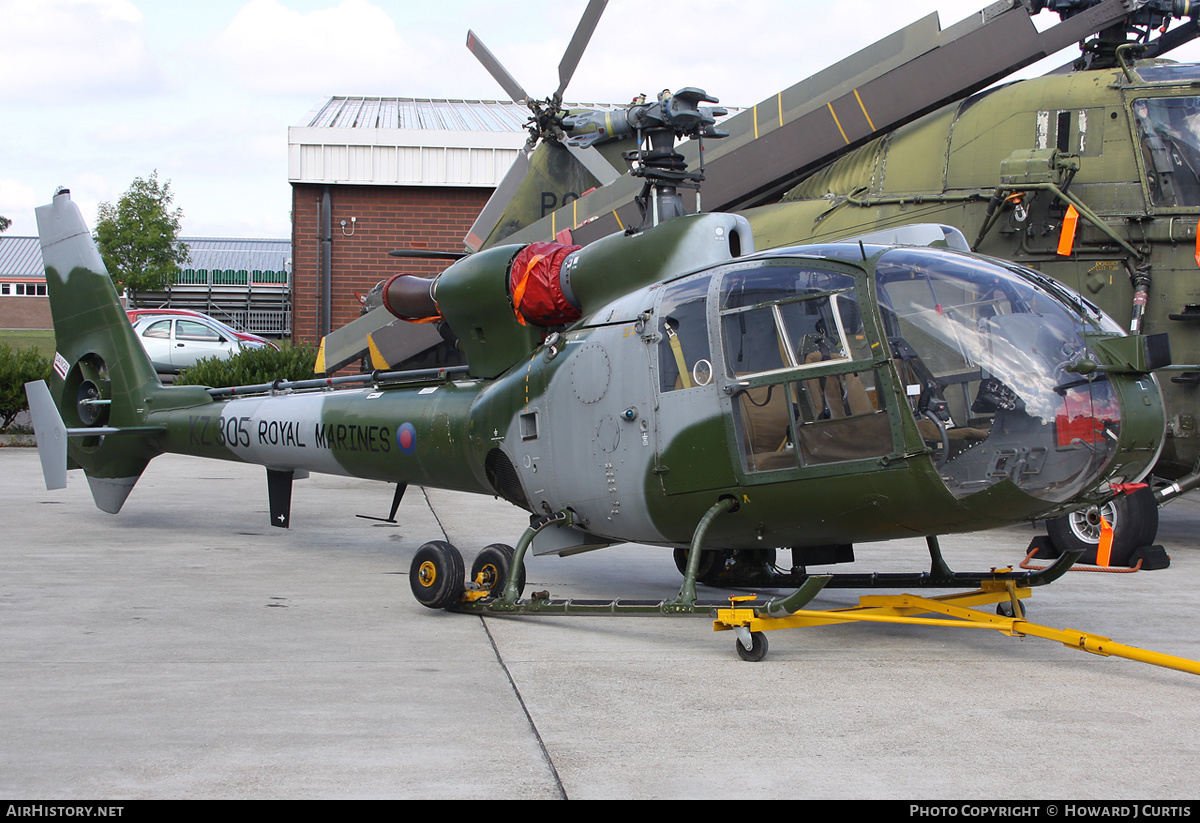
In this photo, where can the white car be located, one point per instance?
(175, 343)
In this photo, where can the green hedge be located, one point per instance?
(251, 366)
(18, 367)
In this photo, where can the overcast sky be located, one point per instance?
(96, 92)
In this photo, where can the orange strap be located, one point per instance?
(518, 292)
(1066, 240)
(1104, 550)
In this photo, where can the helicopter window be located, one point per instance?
(839, 418)
(1169, 72)
(765, 426)
(983, 354)
(774, 317)
(833, 418)
(684, 357)
(752, 286)
(752, 342)
(1169, 133)
(831, 325)
(788, 319)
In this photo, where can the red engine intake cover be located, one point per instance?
(534, 283)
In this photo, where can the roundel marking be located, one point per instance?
(406, 438)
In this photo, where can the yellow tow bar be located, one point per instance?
(905, 608)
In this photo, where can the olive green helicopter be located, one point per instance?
(668, 385)
(1090, 174)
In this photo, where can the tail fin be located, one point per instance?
(103, 382)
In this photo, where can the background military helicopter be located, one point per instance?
(1089, 176)
(1112, 141)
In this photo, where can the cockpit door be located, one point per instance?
(801, 370)
(690, 447)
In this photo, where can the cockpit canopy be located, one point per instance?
(974, 352)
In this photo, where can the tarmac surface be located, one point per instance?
(186, 649)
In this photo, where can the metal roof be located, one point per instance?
(252, 255)
(22, 256)
(411, 141)
(426, 114)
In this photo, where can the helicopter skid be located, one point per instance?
(751, 616)
(936, 578)
(939, 576)
(542, 604)
(806, 587)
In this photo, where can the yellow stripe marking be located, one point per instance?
(378, 361)
(864, 110)
(618, 219)
(837, 122)
(319, 366)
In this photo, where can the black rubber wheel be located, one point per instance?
(1134, 518)
(436, 575)
(493, 563)
(712, 563)
(730, 567)
(1005, 609)
(757, 650)
(1143, 508)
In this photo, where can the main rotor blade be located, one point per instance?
(491, 213)
(594, 162)
(428, 254)
(583, 33)
(511, 87)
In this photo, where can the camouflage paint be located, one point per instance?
(579, 420)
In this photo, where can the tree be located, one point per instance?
(138, 236)
(4, 223)
(18, 367)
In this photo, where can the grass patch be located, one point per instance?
(42, 340)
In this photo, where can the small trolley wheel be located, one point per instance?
(436, 575)
(493, 563)
(757, 650)
(1005, 609)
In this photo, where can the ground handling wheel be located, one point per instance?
(712, 563)
(1133, 517)
(491, 566)
(757, 650)
(436, 575)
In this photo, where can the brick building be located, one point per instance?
(23, 301)
(397, 173)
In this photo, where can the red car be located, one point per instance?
(134, 314)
